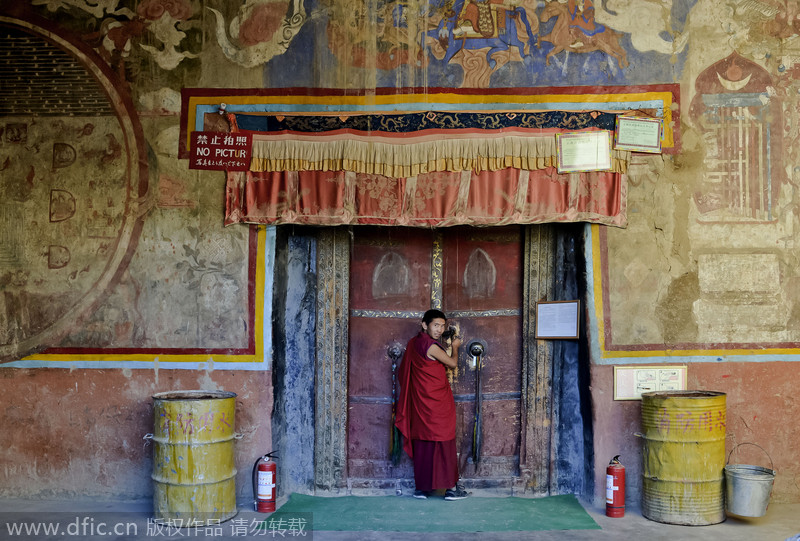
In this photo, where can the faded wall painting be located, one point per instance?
(485, 43)
(707, 268)
(163, 275)
(110, 248)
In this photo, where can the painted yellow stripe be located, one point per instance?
(598, 288)
(698, 353)
(70, 358)
(261, 279)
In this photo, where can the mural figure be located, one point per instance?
(261, 29)
(484, 24)
(575, 30)
(581, 14)
(118, 34)
(782, 21)
(652, 24)
(163, 21)
(383, 35)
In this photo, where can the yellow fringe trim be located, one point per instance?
(403, 160)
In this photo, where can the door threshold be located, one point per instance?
(483, 487)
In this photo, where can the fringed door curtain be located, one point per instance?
(431, 169)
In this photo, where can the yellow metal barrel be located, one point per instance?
(683, 457)
(193, 461)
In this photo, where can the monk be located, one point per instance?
(426, 411)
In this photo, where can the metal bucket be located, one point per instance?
(193, 464)
(748, 488)
(683, 457)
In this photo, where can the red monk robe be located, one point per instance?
(426, 416)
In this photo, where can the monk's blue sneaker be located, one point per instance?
(457, 493)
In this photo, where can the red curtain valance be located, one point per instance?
(419, 170)
(437, 199)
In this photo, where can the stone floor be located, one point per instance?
(87, 520)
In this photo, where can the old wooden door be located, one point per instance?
(474, 275)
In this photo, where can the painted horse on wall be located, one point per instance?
(482, 24)
(577, 38)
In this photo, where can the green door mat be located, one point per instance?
(405, 514)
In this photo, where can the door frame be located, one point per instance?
(537, 442)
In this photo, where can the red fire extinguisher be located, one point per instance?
(615, 489)
(264, 483)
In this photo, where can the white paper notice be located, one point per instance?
(584, 151)
(557, 319)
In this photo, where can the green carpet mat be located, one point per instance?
(406, 514)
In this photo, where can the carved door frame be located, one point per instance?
(537, 443)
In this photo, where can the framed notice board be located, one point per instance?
(638, 134)
(558, 319)
(583, 151)
(631, 381)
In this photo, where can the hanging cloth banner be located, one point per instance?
(445, 170)
(440, 199)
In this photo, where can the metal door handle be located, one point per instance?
(395, 351)
(476, 350)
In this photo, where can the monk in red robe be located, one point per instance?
(426, 411)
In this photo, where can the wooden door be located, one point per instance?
(475, 276)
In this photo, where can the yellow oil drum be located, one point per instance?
(683, 457)
(193, 460)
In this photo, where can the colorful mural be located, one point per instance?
(488, 43)
(349, 43)
(604, 46)
(86, 202)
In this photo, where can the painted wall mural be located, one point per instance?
(486, 43)
(350, 43)
(71, 203)
(110, 251)
(734, 173)
(724, 284)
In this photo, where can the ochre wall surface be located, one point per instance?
(81, 434)
(760, 410)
